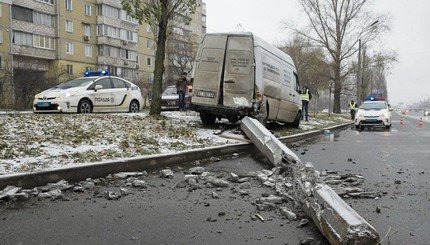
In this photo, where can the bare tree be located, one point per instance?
(181, 53)
(310, 64)
(158, 13)
(338, 26)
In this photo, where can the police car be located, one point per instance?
(94, 92)
(373, 112)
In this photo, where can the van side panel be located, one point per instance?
(278, 81)
(290, 101)
(238, 84)
(271, 66)
(209, 67)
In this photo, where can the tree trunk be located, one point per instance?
(157, 86)
(338, 84)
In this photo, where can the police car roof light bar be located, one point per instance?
(96, 73)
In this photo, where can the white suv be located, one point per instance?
(373, 114)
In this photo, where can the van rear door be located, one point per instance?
(209, 67)
(238, 84)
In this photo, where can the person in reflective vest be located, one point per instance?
(352, 107)
(306, 96)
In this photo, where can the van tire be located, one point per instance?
(296, 122)
(207, 118)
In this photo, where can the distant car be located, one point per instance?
(94, 92)
(426, 112)
(170, 98)
(373, 114)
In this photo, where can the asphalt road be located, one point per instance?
(159, 214)
(163, 214)
(395, 162)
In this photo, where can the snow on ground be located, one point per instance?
(34, 142)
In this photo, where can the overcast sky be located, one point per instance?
(409, 79)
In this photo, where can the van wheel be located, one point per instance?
(207, 118)
(296, 122)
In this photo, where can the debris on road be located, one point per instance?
(336, 220)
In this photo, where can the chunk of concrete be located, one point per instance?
(336, 220)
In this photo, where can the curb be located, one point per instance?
(102, 169)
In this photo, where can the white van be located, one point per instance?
(238, 74)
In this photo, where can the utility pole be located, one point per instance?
(359, 73)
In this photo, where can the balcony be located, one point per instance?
(33, 52)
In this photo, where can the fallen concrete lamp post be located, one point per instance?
(336, 220)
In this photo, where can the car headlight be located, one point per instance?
(359, 114)
(383, 114)
(66, 95)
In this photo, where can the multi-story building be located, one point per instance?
(54, 40)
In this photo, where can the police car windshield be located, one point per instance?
(373, 106)
(78, 82)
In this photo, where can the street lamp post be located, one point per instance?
(359, 73)
(359, 68)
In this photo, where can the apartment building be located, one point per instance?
(60, 39)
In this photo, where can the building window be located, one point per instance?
(20, 13)
(108, 11)
(149, 62)
(43, 42)
(150, 77)
(22, 38)
(1, 36)
(69, 48)
(110, 31)
(148, 28)
(87, 30)
(43, 19)
(148, 44)
(87, 10)
(69, 5)
(69, 26)
(47, 1)
(69, 70)
(88, 51)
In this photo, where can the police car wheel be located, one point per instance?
(134, 107)
(85, 106)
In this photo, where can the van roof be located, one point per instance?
(258, 42)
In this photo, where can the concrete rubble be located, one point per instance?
(279, 198)
(336, 220)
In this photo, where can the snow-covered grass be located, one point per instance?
(33, 142)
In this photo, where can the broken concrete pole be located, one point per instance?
(265, 141)
(339, 223)
(336, 220)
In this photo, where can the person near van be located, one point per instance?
(352, 108)
(306, 96)
(181, 88)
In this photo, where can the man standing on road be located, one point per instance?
(352, 107)
(181, 88)
(306, 96)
